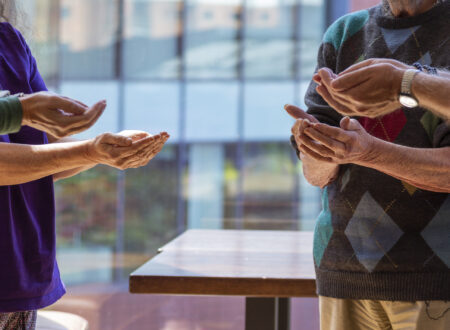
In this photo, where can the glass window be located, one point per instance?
(205, 195)
(211, 46)
(152, 32)
(90, 92)
(153, 107)
(269, 43)
(88, 30)
(270, 187)
(265, 118)
(211, 112)
(311, 28)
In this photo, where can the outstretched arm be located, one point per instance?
(24, 163)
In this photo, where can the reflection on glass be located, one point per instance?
(152, 29)
(86, 225)
(44, 41)
(206, 186)
(88, 29)
(265, 118)
(311, 28)
(153, 107)
(269, 44)
(211, 47)
(269, 187)
(150, 208)
(212, 112)
(90, 92)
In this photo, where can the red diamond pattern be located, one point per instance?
(386, 127)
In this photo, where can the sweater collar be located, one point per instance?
(391, 22)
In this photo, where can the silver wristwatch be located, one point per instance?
(406, 98)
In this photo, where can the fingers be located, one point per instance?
(318, 148)
(304, 150)
(350, 124)
(325, 140)
(79, 124)
(116, 140)
(334, 133)
(358, 66)
(144, 156)
(330, 99)
(67, 105)
(297, 113)
(351, 79)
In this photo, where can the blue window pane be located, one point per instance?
(269, 44)
(151, 38)
(211, 48)
(88, 29)
(153, 107)
(265, 118)
(212, 112)
(311, 28)
(90, 92)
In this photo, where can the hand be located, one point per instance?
(370, 88)
(122, 153)
(58, 115)
(303, 121)
(135, 135)
(348, 144)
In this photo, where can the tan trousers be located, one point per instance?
(346, 314)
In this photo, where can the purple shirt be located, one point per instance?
(29, 275)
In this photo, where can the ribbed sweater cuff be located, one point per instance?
(10, 115)
(384, 286)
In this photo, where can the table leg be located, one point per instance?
(267, 314)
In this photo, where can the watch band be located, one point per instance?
(407, 80)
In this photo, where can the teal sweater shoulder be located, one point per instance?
(345, 27)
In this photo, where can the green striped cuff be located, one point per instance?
(10, 115)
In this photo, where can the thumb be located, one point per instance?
(117, 140)
(350, 124)
(297, 113)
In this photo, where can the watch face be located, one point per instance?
(408, 101)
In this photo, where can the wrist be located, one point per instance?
(90, 153)
(26, 104)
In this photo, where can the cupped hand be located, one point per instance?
(122, 152)
(349, 143)
(369, 89)
(58, 115)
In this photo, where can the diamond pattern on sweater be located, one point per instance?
(323, 230)
(429, 122)
(371, 232)
(426, 59)
(345, 180)
(433, 233)
(395, 38)
(387, 127)
(409, 188)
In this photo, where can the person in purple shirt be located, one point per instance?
(29, 275)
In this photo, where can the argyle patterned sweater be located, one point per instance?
(378, 237)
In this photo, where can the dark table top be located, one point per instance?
(231, 262)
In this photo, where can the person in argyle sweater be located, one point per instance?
(382, 240)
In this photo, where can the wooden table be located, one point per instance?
(267, 267)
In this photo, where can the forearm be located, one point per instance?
(427, 169)
(74, 171)
(24, 163)
(433, 92)
(317, 173)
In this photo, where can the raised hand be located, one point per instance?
(369, 89)
(57, 115)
